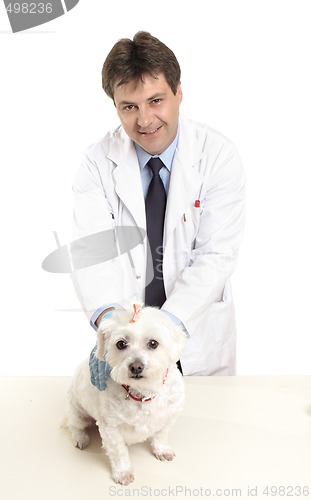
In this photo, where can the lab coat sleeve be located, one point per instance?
(214, 252)
(100, 283)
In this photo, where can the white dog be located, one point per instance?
(144, 393)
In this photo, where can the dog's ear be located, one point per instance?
(100, 345)
(102, 335)
(179, 338)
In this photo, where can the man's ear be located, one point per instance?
(179, 93)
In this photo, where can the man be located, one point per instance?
(204, 207)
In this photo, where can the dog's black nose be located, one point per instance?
(136, 367)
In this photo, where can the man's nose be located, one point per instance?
(144, 117)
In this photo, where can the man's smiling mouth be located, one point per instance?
(150, 132)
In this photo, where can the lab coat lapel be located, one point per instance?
(128, 179)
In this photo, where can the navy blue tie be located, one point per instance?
(155, 213)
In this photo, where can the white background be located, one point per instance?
(246, 72)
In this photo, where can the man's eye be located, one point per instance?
(121, 344)
(153, 344)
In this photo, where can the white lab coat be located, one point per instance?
(200, 243)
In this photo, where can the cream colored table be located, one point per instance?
(238, 437)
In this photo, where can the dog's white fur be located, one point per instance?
(148, 371)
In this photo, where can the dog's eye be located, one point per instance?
(121, 344)
(153, 344)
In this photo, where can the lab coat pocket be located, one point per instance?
(221, 322)
(188, 229)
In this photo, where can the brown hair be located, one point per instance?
(129, 60)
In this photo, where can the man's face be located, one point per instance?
(148, 111)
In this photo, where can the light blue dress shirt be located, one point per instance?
(165, 173)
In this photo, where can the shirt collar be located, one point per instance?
(166, 157)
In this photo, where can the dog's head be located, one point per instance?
(140, 348)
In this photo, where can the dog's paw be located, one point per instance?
(124, 478)
(81, 440)
(164, 455)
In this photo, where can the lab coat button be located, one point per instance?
(138, 276)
